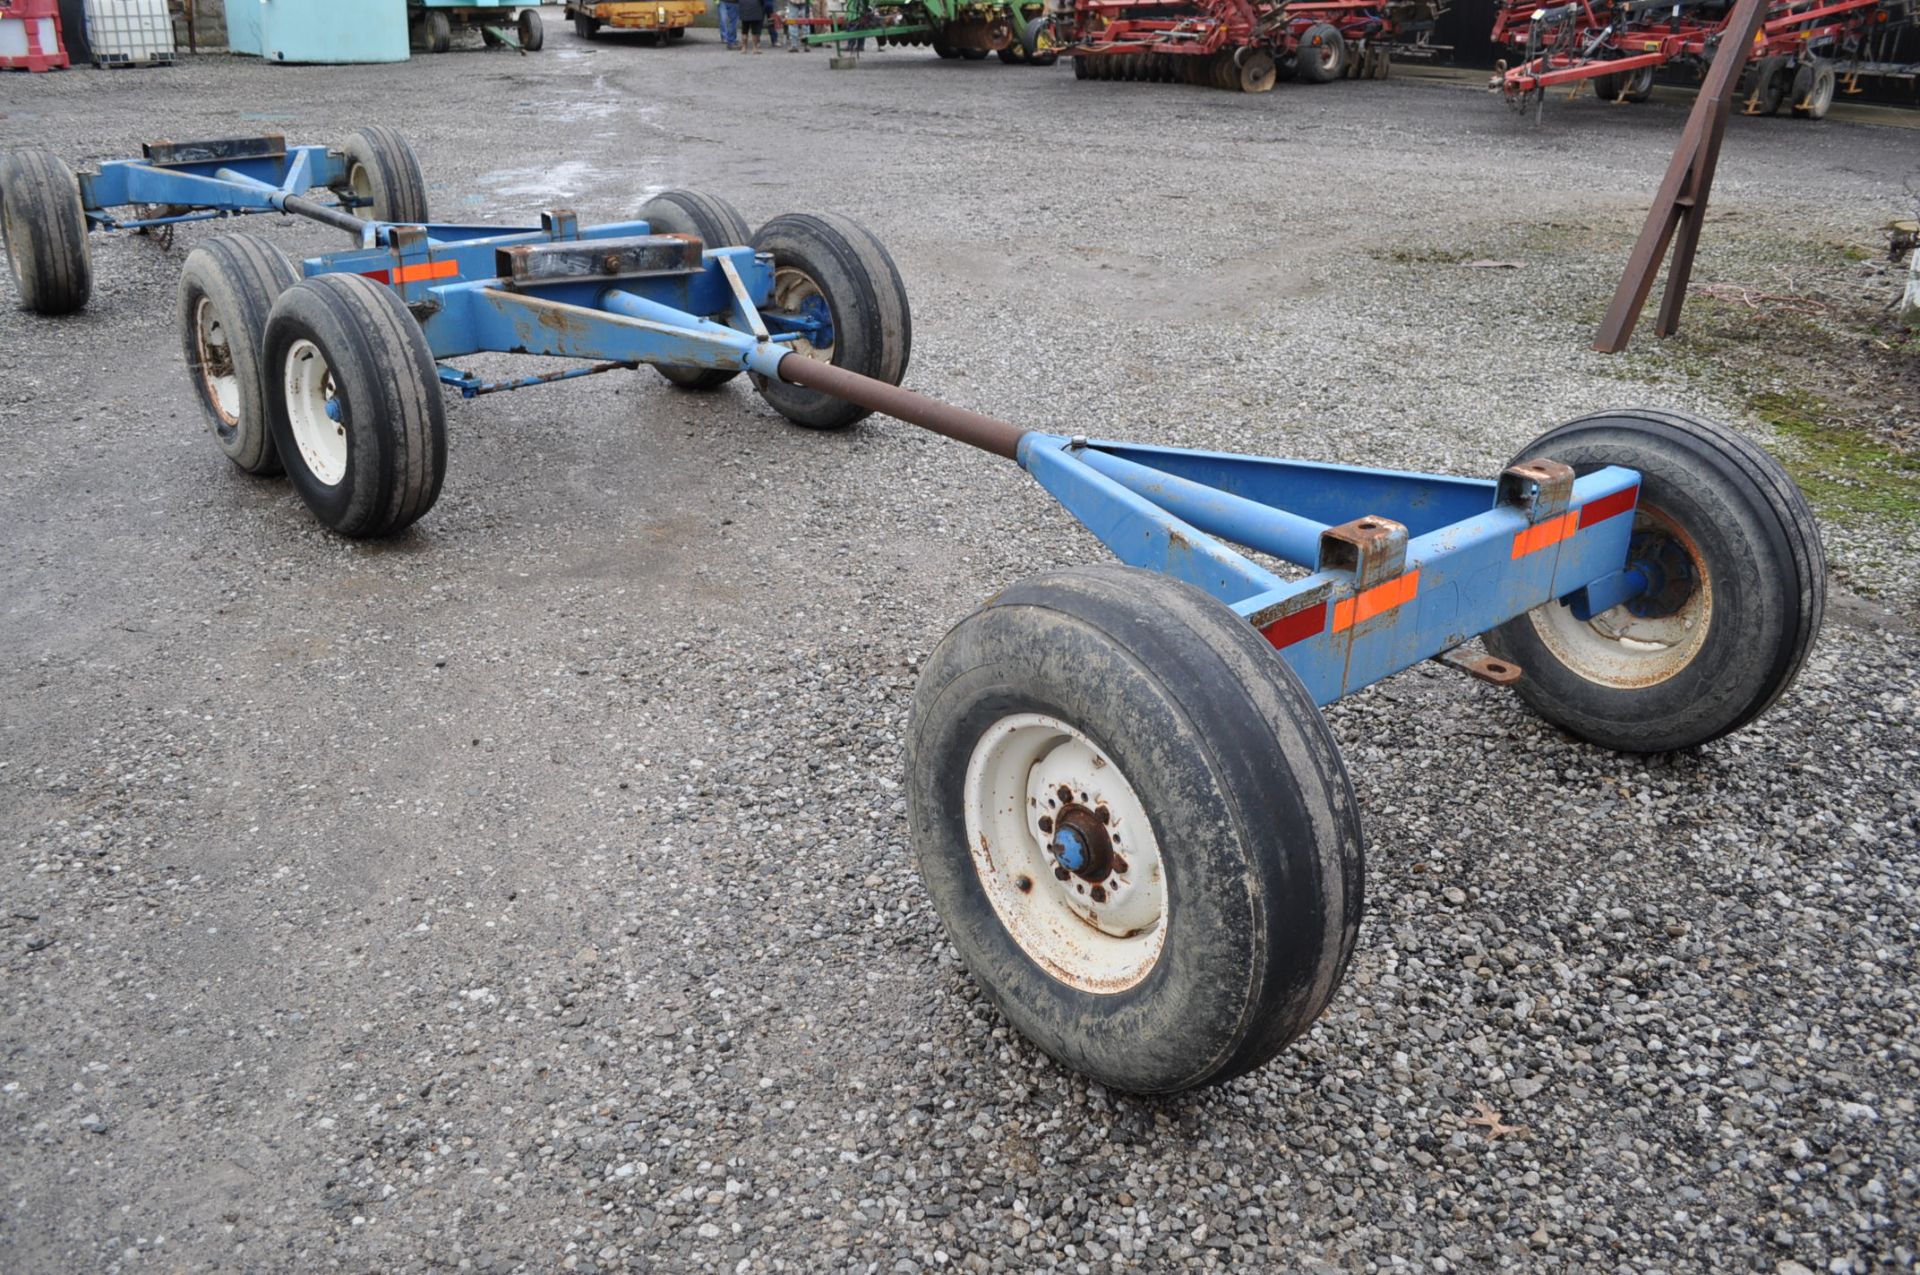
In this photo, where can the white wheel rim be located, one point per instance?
(316, 412)
(1620, 649)
(792, 288)
(360, 182)
(1100, 929)
(217, 372)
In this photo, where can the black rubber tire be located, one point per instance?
(872, 323)
(533, 32)
(395, 183)
(392, 414)
(974, 55)
(488, 38)
(1080, 67)
(1243, 786)
(1776, 84)
(1322, 58)
(436, 33)
(238, 277)
(586, 28)
(1767, 574)
(1607, 87)
(43, 226)
(1640, 85)
(1038, 29)
(1814, 80)
(718, 225)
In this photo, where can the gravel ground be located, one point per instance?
(530, 893)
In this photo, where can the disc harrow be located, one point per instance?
(1244, 46)
(1805, 53)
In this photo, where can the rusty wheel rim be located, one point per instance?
(214, 361)
(1065, 853)
(1626, 651)
(793, 290)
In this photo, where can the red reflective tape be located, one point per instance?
(1302, 624)
(378, 276)
(1543, 535)
(1607, 506)
(1378, 600)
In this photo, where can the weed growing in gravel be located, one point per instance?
(1846, 474)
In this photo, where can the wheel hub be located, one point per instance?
(1065, 853)
(1081, 844)
(1669, 571)
(1651, 637)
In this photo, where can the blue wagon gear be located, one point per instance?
(1129, 814)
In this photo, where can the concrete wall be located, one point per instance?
(209, 24)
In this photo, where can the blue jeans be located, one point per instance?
(794, 30)
(729, 22)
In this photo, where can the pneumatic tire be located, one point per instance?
(383, 175)
(436, 32)
(828, 266)
(1322, 58)
(717, 224)
(227, 290)
(533, 32)
(1813, 89)
(354, 404)
(43, 226)
(1744, 590)
(1135, 826)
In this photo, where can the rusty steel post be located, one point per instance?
(1681, 205)
(985, 432)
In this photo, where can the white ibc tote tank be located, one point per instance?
(129, 32)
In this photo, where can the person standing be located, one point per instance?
(753, 19)
(797, 27)
(730, 23)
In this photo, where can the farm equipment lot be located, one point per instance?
(533, 891)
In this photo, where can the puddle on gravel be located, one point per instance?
(565, 179)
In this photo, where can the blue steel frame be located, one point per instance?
(211, 189)
(1401, 567)
(1393, 568)
(1398, 567)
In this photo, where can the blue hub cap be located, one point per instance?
(1071, 849)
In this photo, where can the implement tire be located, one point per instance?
(44, 229)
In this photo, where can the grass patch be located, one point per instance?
(1848, 476)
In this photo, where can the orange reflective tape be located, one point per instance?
(1378, 600)
(1544, 534)
(446, 268)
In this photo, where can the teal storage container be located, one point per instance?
(243, 26)
(322, 31)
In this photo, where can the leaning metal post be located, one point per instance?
(1681, 205)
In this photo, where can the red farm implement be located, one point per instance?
(1241, 45)
(1803, 53)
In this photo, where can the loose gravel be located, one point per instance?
(530, 893)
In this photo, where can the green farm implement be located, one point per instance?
(1016, 32)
